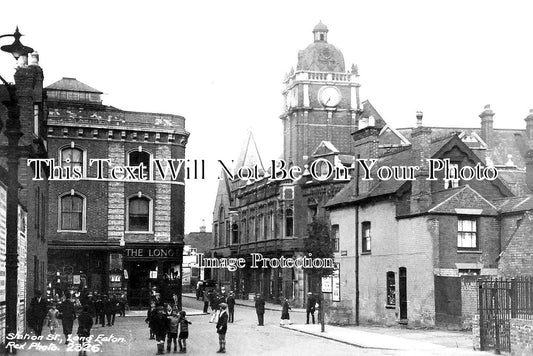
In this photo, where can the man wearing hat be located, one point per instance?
(311, 301)
(260, 309)
(222, 327)
(231, 306)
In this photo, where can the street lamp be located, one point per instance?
(14, 153)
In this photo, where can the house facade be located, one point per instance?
(412, 249)
(113, 229)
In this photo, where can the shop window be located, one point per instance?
(72, 208)
(139, 214)
(289, 222)
(136, 158)
(467, 237)
(366, 237)
(391, 289)
(72, 157)
(335, 235)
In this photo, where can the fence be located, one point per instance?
(499, 301)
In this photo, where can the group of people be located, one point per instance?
(65, 311)
(213, 298)
(167, 322)
(103, 308)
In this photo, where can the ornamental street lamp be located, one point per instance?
(13, 153)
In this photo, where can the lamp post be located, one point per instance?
(13, 153)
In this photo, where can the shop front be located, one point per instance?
(146, 266)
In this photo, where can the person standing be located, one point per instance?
(184, 331)
(310, 307)
(53, 323)
(173, 323)
(260, 309)
(160, 328)
(285, 317)
(222, 327)
(85, 323)
(231, 306)
(149, 317)
(38, 311)
(206, 301)
(68, 314)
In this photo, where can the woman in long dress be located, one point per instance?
(285, 317)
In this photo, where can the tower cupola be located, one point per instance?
(320, 32)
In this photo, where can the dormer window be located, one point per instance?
(453, 173)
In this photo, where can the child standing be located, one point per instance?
(173, 322)
(52, 319)
(184, 331)
(149, 316)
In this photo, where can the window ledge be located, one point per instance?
(470, 251)
(366, 253)
(74, 231)
(138, 232)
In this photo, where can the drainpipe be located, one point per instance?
(357, 243)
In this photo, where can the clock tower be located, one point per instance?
(321, 101)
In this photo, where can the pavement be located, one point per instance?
(129, 336)
(403, 340)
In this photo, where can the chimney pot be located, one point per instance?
(419, 115)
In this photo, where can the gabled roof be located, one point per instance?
(249, 156)
(72, 84)
(405, 157)
(325, 148)
(510, 144)
(464, 198)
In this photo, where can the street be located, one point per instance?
(129, 336)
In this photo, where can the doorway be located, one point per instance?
(139, 283)
(403, 294)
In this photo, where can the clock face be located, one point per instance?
(329, 96)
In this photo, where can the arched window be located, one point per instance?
(136, 158)
(289, 222)
(139, 214)
(235, 233)
(221, 227)
(72, 157)
(72, 208)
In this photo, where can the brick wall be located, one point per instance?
(469, 300)
(521, 337)
(517, 258)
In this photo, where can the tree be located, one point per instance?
(320, 245)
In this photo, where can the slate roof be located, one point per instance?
(72, 84)
(202, 241)
(507, 142)
(404, 157)
(514, 204)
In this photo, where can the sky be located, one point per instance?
(221, 64)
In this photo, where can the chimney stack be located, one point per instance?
(486, 126)
(421, 147)
(366, 147)
(529, 128)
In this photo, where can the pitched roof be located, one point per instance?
(72, 84)
(514, 204)
(510, 144)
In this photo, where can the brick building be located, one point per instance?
(271, 217)
(32, 194)
(113, 234)
(409, 249)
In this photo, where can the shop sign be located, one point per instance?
(151, 253)
(76, 279)
(153, 274)
(326, 284)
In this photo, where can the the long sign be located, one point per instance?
(151, 253)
